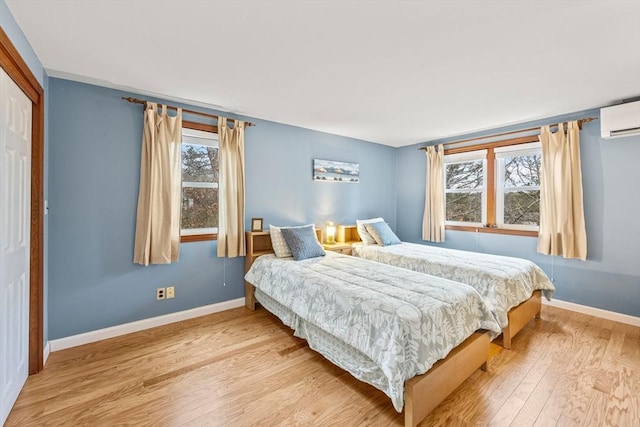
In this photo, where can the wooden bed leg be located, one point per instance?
(485, 366)
(506, 338)
(249, 296)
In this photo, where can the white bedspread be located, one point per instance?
(382, 324)
(504, 282)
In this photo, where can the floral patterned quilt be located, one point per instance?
(382, 324)
(504, 282)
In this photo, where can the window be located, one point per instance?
(200, 172)
(518, 186)
(494, 187)
(465, 188)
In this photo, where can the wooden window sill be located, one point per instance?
(491, 230)
(198, 237)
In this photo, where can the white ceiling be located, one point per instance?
(392, 72)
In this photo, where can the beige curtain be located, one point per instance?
(231, 189)
(434, 214)
(562, 227)
(157, 238)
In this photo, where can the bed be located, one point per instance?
(413, 336)
(512, 287)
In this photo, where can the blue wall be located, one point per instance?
(610, 278)
(94, 157)
(94, 166)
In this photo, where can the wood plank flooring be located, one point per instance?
(241, 368)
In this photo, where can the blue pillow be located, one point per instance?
(382, 234)
(303, 242)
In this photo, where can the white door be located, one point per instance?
(15, 207)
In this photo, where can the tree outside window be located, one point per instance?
(200, 171)
(494, 187)
(465, 179)
(518, 187)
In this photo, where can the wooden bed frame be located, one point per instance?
(423, 393)
(518, 316)
(521, 315)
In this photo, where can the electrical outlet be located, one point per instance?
(171, 292)
(160, 293)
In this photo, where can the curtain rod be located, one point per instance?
(171, 107)
(580, 122)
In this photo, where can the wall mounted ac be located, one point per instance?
(620, 120)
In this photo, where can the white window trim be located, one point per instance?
(199, 184)
(501, 153)
(463, 158)
(196, 231)
(509, 150)
(207, 139)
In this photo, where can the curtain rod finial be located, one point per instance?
(133, 100)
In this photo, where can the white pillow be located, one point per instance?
(280, 246)
(366, 238)
(382, 233)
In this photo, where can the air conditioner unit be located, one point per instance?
(620, 120)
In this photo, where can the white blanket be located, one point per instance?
(504, 282)
(399, 320)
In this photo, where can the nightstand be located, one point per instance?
(343, 248)
(347, 234)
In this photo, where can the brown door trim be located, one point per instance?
(17, 69)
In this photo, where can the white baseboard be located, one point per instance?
(45, 353)
(592, 311)
(127, 328)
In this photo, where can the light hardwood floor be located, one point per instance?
(241, 368)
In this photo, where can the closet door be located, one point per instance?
(15, 207)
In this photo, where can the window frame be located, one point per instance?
(465, 157)
(491, 225)
(197, 234)
(502, 153)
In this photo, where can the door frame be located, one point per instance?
(18, 70)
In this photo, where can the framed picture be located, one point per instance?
(256, 224)
(332, 171)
